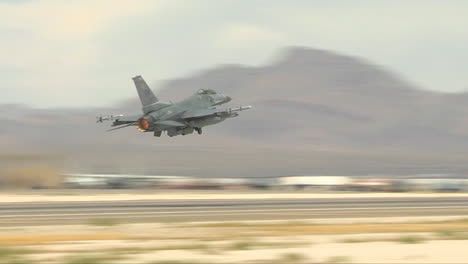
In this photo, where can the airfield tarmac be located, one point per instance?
(206, 207)
(91, 226)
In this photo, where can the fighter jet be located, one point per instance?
(181, 118)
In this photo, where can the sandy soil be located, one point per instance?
(321, 249)
(230, 243)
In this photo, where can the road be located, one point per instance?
(46, 213)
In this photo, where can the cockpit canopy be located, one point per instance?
(206, 91)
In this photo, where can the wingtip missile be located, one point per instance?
(240, 108)
(101, 119)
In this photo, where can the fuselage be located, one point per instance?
(179, 118)
(199, 101)
(196, 101)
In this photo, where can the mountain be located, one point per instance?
(315, 112)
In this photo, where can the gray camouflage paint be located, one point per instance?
(181, 118)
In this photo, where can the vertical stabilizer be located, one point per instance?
(147, 96)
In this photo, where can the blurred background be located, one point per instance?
(349, 98)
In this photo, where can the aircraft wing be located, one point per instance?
(197, 113)
(201, 113)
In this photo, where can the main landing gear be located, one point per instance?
(199, 130)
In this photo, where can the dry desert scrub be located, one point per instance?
(17, 240)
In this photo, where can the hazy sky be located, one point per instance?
(84, 52)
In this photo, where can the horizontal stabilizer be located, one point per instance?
(124, 126)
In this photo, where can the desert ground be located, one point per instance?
(360, 239)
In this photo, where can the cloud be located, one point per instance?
(65, 52)
(68, 28)
(241, 35)
(75, 19)
(55, 43)
(423, 40)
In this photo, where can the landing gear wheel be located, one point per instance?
(199, 130)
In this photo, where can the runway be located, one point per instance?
(47, 213)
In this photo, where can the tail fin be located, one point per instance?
(147, 96)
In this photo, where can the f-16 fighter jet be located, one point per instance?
(181, 118)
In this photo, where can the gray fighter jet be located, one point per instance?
(182, 118)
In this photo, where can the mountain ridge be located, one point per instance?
(314, 111)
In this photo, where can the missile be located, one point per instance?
(101, 119)
(240, 108)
